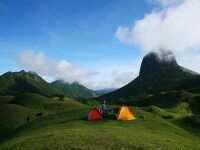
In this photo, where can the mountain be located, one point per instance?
(105, 91)
(159, 71)
(14, 83)
(74, 90)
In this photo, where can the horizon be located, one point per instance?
(99, 44)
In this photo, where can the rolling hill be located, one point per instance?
(70, 129)
(14, 110)
(12, 116)
(41, 103)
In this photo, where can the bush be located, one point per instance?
(167, 116)
(142, 117)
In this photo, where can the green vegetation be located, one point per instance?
(13, 116)
(91, 102)
(5, 99)
(75, 90)
(165, 99)
(64, 125)
(42, 103)
(70, 130)
(14, 83)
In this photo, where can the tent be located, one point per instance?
(125, 113)
(95, 115)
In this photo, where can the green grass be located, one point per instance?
(45, 104)
(71, 130)
(91, 102)
(64, 125)
(12, 116)
(5, 99)
(165, 99)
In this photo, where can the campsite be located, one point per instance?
(68, 128)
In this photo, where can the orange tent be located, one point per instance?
(125, 113)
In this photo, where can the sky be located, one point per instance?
(97, 43)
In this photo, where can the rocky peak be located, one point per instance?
(154, 62)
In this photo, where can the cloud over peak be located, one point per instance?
(176, 27)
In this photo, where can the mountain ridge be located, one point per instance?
(74, 89)
(158, 72)
(15, 83)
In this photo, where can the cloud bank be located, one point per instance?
(175, 27)
(48, 67)
(51, 70)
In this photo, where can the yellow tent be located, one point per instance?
(125, 113)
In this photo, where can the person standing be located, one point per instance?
(104, 108)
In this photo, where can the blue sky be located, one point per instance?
(80, 33)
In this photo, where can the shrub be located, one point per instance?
(167, 116)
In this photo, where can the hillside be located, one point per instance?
(75, 90)
(158, 72)
(42, 103)
(71, 130)
(14, 110)
(13, 83)
(172, 123)
(5, 99)
(16, 83)
(13, 116)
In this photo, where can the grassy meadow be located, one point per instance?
(64, 125)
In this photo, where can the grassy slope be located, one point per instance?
(70, 130)
(44, 104)
(5, 99)
(65, 126)
(165, 99)
(75, 90)
(13, 116)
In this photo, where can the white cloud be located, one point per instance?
(112, 76)
(120, 79)
(176, 27)
(50, 68)
(190, 60)
(114, 81)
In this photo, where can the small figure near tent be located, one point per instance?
(104, 109)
